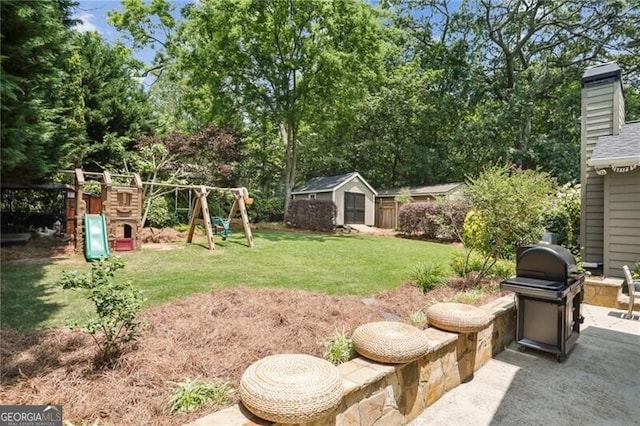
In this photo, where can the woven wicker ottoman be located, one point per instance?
(291, 388)
(390, 342)
(458, 317)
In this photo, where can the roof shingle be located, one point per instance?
(323, 183)
(626, 144)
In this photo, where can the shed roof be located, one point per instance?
(442, 189)
(328, 183)
(621, 150)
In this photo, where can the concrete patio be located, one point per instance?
(599, 383)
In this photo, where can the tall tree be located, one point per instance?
(277, 62)
(524, 59)
(117, 110)
(40, 120)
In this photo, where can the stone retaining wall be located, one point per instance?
(602, 291)
(377, 394)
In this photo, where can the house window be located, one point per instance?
(312, 196)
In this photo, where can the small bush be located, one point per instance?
(503, 268)
(474, 229)
(437, 219)
(190, 395)
(339, 349)
(429, 276)
(418, 318)
(181, 227)
(563, 218)
(449, 219)
(267, 210)
(116, 306)
(404, 196)
(159, 215)
(416, 218)
(464, 263)
(312, 214)
(474, 294)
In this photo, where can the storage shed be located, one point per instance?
(388, 207)
(610, 173)
(353, 196)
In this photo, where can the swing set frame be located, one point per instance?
(200, 213)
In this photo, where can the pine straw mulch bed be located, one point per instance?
(216, 335)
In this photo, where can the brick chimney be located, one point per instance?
(602, 115)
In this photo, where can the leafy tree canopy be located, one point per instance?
(38, 123)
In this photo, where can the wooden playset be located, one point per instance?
(121, 207)
(122, 210)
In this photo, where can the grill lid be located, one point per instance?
(545, 262)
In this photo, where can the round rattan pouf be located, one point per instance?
(291, 388)
(390, 342)
(457, 317)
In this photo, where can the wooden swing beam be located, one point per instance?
(167, 185)
(201, 202)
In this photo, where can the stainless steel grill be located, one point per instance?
(549, 291)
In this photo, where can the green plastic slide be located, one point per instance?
(96, 243)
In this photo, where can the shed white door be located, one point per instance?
(353, 208)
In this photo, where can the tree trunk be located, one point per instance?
(288, 135)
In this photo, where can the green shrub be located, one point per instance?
(472, 295)
(219, 203)
(416, 218)
(563, 218)
(449, 219)
(474, 229)
(503, 268)
(181, 227)
(159, 215)
(266, 210)
(404, 196)
(429, 276)
(190, 395)
(116, 306)
(418, 318)
(464, 263)
(339, 349)
(510, 204)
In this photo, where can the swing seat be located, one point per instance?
(222, 225)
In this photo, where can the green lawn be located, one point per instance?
(334, 264)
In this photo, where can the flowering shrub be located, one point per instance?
(563, 218)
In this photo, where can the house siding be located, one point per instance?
(319, 196)
(622, 221)
(324, 196)
(602, 115)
